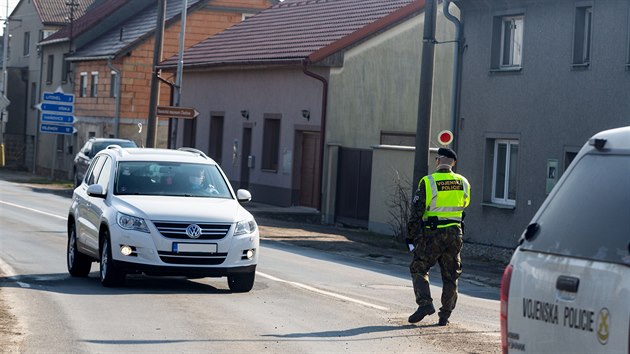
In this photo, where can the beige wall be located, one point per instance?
(391, 165)
(377, 90)
(379, 84)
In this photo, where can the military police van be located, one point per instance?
(567, 287)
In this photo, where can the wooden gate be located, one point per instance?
(354, 177)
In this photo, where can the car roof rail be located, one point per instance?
(195, 151)
(118, 149)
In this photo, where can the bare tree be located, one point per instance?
(399, 206)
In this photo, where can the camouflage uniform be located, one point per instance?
(442, 245)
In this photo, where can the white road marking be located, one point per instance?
(33, 210)
(5, 267)
(323, 292)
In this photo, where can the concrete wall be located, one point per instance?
(377, 90)
(392, 168)
(378, 86)
(549, 106)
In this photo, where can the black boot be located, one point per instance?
(443, 321)
(421, 312)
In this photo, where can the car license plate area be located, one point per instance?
(194, 247)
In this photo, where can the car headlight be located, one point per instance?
(245, 227)
(129, 222)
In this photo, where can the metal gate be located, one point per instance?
(354, 176)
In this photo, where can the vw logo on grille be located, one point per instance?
(193, 231)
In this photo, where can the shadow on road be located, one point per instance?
(63, 283)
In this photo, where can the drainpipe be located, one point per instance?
(455, 89)
(117, 91)
(322, 131)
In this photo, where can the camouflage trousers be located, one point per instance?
(441, 246)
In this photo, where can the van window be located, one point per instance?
(589, 216)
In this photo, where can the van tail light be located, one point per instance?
(505, 292)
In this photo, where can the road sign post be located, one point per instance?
(57, 117)
(177, 112)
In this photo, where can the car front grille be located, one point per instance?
(192, 258)
(177, 230)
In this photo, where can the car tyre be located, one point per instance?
(110, 275)
(242, 282)
(78, 264)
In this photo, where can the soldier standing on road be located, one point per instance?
(434, 233)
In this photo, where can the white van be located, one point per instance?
(567, 287)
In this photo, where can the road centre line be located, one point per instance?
(33, 210)
(322, 292)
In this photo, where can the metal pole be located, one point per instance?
(5, 77)
(423, 128)
(152, 120)
(180, 70)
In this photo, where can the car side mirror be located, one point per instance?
(532, 231)
(96, 191)
(243, 196)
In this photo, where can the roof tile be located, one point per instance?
(57, 12)
(291, 30)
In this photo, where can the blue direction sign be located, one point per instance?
(52, 107)
(57, 118)
(59, 97)
(56, 129)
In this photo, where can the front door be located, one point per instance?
(310, 173)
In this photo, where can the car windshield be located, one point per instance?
(170, 179)
(589, 216)
(100, 145)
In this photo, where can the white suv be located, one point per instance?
(161, 212)
(567, 287)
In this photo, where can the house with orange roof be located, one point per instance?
(30, 22)
(105, 60)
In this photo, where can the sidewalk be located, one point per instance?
(300, 226)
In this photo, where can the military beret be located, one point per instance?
(447, 153)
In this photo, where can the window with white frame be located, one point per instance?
(83, 85)
(582, 35)
(507, 41)
(504, 172)
(50, 67)
(27, 43)
(94, 84)
(511, 41)
(113, 87)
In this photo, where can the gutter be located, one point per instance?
(118, 94)
(456, 83)
(322, 130)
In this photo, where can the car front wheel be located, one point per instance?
(78, 264)
(241, 283)
(111, 276)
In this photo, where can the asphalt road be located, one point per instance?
(305, 299)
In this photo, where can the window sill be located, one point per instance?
(512, 69)
(580, 67)
(498, 206)
(267, 170)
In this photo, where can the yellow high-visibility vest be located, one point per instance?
(447, 194)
